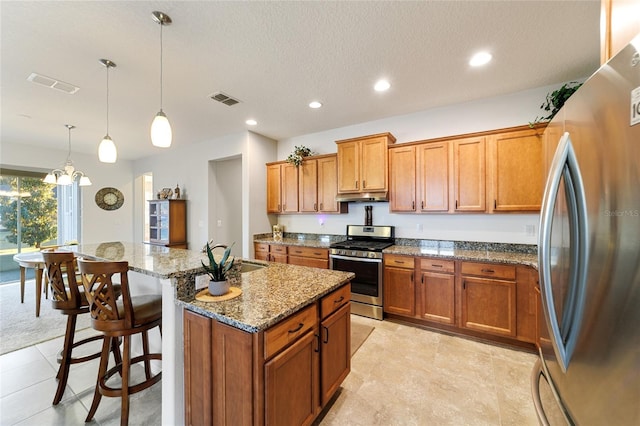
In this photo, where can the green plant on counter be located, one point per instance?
(217, 271)
(298, 154)
(555, 100)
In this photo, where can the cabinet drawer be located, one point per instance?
(437, 265)
(309, 261)
(262, 247)
(398, 261)
(287, 331)
(309, 252)
(494, 270)
(333, 301)
(275, 248)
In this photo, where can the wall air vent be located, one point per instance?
(224, 98)
(52, 83)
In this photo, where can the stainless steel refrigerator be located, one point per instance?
(589, 253)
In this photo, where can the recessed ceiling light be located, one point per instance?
(382, 86)
(315, 104)
(251, 122)
(480, 58)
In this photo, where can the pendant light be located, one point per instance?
(107, 152)
(68, 173)
(160, 127)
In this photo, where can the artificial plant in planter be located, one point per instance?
(298, 154)
(217, 271)
(555, 100)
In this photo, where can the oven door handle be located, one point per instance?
(355, 259)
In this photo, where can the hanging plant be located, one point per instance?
(298, 154)
(555, 100)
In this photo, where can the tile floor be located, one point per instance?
(401, 375)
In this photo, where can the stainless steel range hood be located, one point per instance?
(364, 197)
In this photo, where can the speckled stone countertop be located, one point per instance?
(527, 259)
(302, 242)
(270, 294)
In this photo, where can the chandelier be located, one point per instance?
(68, 173)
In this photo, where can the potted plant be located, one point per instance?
(555, 100)
(217, 270)
(298, 154)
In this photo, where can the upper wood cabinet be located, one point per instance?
(309, 188)
(433, 176)
(282, 188)
(515, 171)
(362, 163)
(402, 179)
(469, 180)
(620, 23)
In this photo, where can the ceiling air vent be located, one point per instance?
(224, 98)
(53, 83)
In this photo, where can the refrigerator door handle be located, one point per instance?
(564, 165)
(536, 372)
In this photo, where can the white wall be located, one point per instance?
(485, 114)
(97, 225)
(189, 167)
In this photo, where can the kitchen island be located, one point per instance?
(270, 295)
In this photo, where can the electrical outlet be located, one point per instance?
(419, 227)
(219, 223)
(530, 230)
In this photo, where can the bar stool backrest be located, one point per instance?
(61, 275)
(107, 313)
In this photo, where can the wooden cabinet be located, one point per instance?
(619, 24)
(168, 223)
(433, 176)
(308, 256)
(362, 163)
(399, 288)
(281, 376)
(402, 178)
(282, 188)
(270, 252)
(309, 188)
(488, 298)
(469, 179)
(526, 281)
(436, 291)
(516, 172)
(335, 337)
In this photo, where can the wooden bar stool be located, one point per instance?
(119, 318)
(70, 299)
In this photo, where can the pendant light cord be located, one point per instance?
(69, 152)
(161, 25)
(107, 99)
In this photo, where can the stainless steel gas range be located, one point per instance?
(361, 253)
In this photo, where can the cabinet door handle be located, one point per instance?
(413, 205)
(464, 285)
(364, 184)
(422, 279)
(339, 300)
(315, 207)
(279, 209)
(456, 204)
(400, 262)
(298, 328)
(412, 276)
(436, 266)
(356, 184)
(321, 206)
(326, 337)
(422, 204)
(317, 348)
(488, 271)
(495, 204)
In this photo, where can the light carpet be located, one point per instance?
(19, 326)
(359, 333)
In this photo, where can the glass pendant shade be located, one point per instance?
(107, 152)
(161, 131)
(50, 178)
(85, 181)
(64, 180)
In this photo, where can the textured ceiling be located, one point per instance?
(275, 57)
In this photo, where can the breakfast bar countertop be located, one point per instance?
(270, 294)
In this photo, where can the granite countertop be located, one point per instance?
(515, 258)
(270, 294)
(314, 243)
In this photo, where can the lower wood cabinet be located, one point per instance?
(294, 255)
(284, 375)
(488, 298)
(481, 299)
(436, 291)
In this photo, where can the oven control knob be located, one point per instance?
(354, 253)
(372, 255)
(342, 252)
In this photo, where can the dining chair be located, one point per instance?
(123, 318)
(69, 298)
